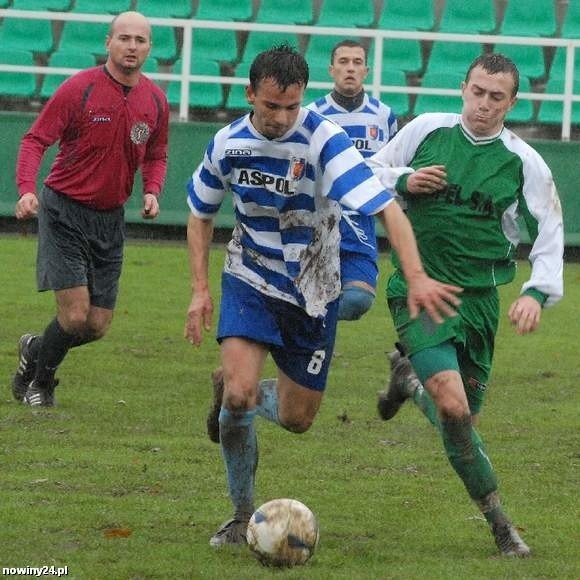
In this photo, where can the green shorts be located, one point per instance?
(472, 332)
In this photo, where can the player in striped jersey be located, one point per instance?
(466, 180)
(370, 124)
(287, 168)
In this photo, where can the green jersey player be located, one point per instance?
(465, 180)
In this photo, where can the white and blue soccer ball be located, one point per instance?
(283, 532)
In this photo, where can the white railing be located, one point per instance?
(376, 88)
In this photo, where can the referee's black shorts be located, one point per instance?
(79, 246)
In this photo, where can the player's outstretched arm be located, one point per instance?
(525, 314)
(438, 299)
(199, 313)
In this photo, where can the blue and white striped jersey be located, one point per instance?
(286, 239)
(370, 126)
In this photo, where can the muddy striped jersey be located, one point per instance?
(369, 127)
(468, 232)
(285, 192)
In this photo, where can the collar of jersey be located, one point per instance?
(479, 140)
(348, 103)
(291, 131)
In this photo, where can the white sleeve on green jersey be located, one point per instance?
(543, 217)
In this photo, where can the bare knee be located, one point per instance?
(447, 391)
(453, 409)
(96, 332)
(297, 418)
(238, 397)
(297, 424)
(74, 320)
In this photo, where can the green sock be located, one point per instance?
(423, 400)
(466, 454)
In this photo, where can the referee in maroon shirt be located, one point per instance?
(109, 121)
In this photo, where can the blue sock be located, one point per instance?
(240, 451)
(268, 400)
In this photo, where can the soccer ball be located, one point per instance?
(283, 532)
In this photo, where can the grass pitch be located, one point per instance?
(119, 480)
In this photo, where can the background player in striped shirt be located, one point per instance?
(287, 168)
(370, 124)
(466, 179)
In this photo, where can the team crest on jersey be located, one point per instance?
(297, 166)
(140, 133)
(373, 131)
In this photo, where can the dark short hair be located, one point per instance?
(283, 63)
(493, 63)
(351, 44)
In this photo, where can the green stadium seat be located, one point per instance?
(17, 84)
(320, 48)
(76, 60)
(101, 6)
(164, 44)
(86, 37)
(150, 65)
(237, 94)
(218, 45)
(452, 57)
(407, 15)
(463, 17)
(440, 103)
(558, 67)
(528, 59)
(203, 95)
(311, 94)
(260, 41)
(224, 10)
(551, 112)
(401, 54)
(359, 13)
(571, 25)
(399, 102)
(41, 5)
(523, 111)
(290, 11)
(159, 8)
(34, 36)
(523, 19)
(320, 73)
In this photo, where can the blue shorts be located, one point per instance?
(358, 267)
(358, 248)
(300, 345)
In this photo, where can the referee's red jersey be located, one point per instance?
(107, 132)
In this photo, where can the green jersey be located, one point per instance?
(467, 233)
